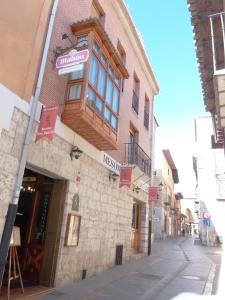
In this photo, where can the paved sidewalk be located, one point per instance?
(175, 266)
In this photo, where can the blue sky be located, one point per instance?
(166, 30)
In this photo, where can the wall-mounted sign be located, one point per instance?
(47, 123)
(72, 58)
(206, 215)
(125, 176)
(152, 194)
(70, 69)
(111, 163)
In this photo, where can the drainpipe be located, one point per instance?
(151, 208)
(12, 209)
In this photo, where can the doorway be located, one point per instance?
(135, 238)
(39, 217)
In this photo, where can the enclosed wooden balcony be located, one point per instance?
(93, 91)
(89, 125)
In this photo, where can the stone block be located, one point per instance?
(6, 142)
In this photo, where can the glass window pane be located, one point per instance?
(117, 80)
(115, 102)
(93, 71)
(111, 72)
(96, 47)
(77, 74)
(99, 105)
(101, 81)
(74, 92)
(90, 97)
(81, 41)
(103, 59)
(107, 115)
(114, 122)
(109, 90)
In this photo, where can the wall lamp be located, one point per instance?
(75, 152)
(113, 176)
(58, 51)
(136, 189)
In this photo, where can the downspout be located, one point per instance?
(12, 209)
(151, 208)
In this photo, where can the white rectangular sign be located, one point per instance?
(70, 69)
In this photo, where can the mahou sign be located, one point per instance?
(72, 58)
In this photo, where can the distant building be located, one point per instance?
(190, 213)
(209, 166)
(167, 208)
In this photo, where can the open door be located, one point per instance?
(135, 239)
(53, 233)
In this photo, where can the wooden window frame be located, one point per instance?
(72, 238)
(115, 85)
(84, 81)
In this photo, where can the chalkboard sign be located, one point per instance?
(42, 217)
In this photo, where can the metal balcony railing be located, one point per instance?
(135, 102)
(136, 156)
(146, 119)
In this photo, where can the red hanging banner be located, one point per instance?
(125, 176)
(152, 194)
(47, 123)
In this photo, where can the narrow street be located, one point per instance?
(175, 266)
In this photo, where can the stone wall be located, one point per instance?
(106, 210)
(10, 150)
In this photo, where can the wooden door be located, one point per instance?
(53, 233)
(135, 239)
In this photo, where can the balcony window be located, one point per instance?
(74, 92)
(91, 97)
(81, 41)
(96, 88)
(101, 81)
(115, 102)
(135, 97)
(104, 84)
(107, 115)
(135, 102)
(96, 48)
(114, 122)
(93, 71)
(78, 74)
(146, 119)
(146, 113)
(136, 156)
(99, 105)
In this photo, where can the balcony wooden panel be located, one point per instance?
(89, 125)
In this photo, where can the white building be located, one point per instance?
(209, 166)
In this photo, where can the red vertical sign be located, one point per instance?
(125, 176)
(152, 194)
(47, 123)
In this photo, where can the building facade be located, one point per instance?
(74, 219)
(207, 18)
(209, 168)
(167, 208)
